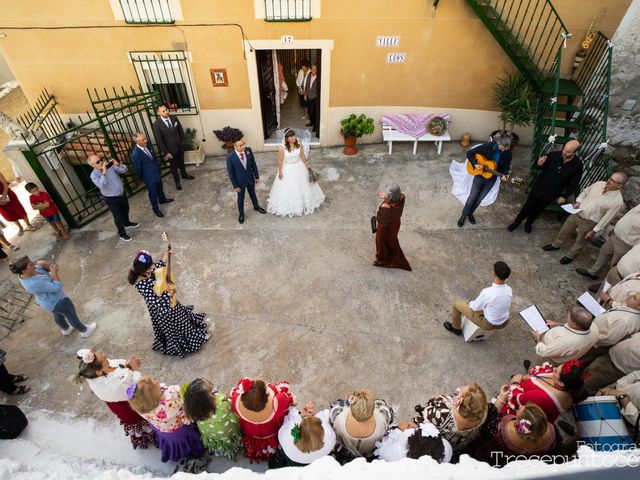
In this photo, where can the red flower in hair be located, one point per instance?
(246, 384)
(574, 367)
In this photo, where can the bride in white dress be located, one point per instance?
(292, 194)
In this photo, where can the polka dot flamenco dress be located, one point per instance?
(177, 330)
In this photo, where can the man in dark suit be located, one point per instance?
(170, 137)
(311, 96)
(243, 173)
(147, 169)
(558, 178)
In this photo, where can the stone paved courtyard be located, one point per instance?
(297, 298)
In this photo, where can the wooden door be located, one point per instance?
(264, 59)
(319, 62)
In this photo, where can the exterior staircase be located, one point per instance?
(533, 36)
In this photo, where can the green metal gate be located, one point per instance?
(58, 154)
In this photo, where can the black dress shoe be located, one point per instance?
(167, 200)
(461, 221)
(178, 186)
(241, 218)
(158, 213)
(513, 226)
(585, 272)
(526, 364)
(550, 247)
(527, 228)
(566, 260)
(452, 329)
(260, 209)
(188, 177)
(472, 219)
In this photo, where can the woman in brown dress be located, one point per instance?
(388, 251)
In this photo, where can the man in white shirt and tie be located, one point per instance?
(243, 174)
(146, 167)
(490, 311)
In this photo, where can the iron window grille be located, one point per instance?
(168, 74)
(287, 10)
(146, 11)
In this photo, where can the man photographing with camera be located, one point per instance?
(106, 176)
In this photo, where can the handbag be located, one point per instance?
(374, 224)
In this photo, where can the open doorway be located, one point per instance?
(280, 101)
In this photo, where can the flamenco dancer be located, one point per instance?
(177, 329)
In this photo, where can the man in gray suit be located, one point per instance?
(311, 96)
(170, 139)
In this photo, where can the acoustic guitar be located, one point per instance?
(164, 276)
(488, 169)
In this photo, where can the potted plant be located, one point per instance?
(228, 135)
(512, 94)
(352, 128)
(193, 151)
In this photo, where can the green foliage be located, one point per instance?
(357, 126)
(513, 96)
(190, 139)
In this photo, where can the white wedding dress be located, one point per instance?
(294, 195)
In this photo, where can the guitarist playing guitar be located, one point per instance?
(488, 160)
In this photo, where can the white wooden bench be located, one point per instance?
(390, 135)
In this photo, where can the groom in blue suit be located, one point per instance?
(147, 169)
(243, 173)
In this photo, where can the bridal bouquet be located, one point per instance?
(313, 176)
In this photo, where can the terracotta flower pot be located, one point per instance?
(350, 145)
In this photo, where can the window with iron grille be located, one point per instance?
(147, 11)
(168, 74)
(287, 10)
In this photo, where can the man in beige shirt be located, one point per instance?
(598, 204)
(629, 263)
(618, 323)
(568, 341)
(624, 236)
(622, 359)
(617, 295)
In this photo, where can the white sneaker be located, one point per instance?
(67, 332)
(90, 329)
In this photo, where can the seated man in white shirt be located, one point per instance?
(490, 311)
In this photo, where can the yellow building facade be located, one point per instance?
(445, 58)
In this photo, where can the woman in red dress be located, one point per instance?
(548, 387)
(11, 208)
(388, 251)
(261, 408)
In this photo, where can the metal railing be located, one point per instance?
(146, 11)
(595, 76)
(58, 153)
(531, 29)
(545, 119)
(287, 10)
(168, 74)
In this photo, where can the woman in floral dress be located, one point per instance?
(177, 329)
(211, 410)
(161, 406)
(261, 408)
(464, 419)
